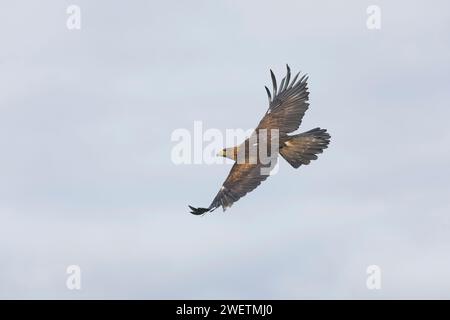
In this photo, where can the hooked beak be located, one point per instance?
(221, 153)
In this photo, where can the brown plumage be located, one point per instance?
(288, 103)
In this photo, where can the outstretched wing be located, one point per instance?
(287, 104)
(242, 179)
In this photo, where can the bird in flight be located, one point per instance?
(288, 103)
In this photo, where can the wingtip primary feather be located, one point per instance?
(274, 82)
(268, 94)
(198, 211)
(282, 84)
(294, 80)
(288, 77)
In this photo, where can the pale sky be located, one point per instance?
(86, 176)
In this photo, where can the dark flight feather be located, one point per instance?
(268, 94)
(288, 77)
(274, 83)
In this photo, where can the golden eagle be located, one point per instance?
(287, 105)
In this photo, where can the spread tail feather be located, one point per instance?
(302, 148)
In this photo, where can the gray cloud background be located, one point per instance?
(85, 170)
